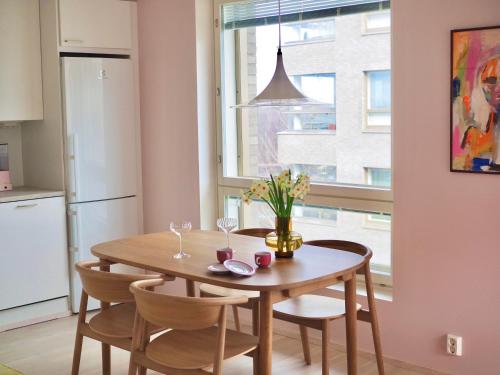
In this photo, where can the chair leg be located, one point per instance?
(256, 362)
(374, 321)
(106, 359)
(82, 314)
(255, 318)
(378, 347)
(132, 367)
(305, 344)
(325, 340)
(236, 318)
(142, 370)
(77, 354)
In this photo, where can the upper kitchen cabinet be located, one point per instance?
(95, 24)
(20, 62)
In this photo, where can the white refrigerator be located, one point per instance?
(100, 156)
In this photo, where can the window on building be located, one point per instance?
(378, 177)
(378, 93)
(377, 22)
(312, 31)
(318, 173)
(332, 146)
(320, 87)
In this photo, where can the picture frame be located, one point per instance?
(475, 100)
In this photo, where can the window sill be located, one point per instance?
(377, 130)
(375, 32)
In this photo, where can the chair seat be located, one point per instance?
(220, 291)
(309, 306)
(117, 321)
(196, 349)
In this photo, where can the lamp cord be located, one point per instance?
(279, 24)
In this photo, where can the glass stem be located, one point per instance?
(227, 238)
(180, 244)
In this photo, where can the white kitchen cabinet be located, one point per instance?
(20, 62)
(95, 24)
(33, 256)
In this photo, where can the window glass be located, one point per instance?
(320, 87)
(380, 89)
(379, 98)
(318, 173)
(260, 141)
(308, 31)
(317, 222)
(379, 177)
(378, 21)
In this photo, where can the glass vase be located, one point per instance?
(283, 240)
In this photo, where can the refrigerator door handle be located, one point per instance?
(73, 234)
(72, 167)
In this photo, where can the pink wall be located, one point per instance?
(445, 255)
(167, 58)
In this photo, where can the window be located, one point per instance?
(377, 22)
(318, 173)
(319, 222)
(378, 177)
(347, 200)
(308, 31)
(378, 111)
(320, 87)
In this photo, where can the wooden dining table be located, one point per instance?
(310, 269)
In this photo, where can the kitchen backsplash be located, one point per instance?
(10, 133)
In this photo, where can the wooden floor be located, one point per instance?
(47, 349)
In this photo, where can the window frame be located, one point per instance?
(336, 195)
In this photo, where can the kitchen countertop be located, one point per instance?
(22, 193)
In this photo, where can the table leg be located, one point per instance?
(351, 325)
(105, 348)
(266, 334)
(190, 288)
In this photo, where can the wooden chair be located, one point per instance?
(194, 343)
(114, 324)
(207, 290)
(318, 311)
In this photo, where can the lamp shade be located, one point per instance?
(281, 92)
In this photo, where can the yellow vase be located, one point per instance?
(283, 240)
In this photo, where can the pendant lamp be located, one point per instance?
(280, 91)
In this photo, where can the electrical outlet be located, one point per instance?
(454, 345)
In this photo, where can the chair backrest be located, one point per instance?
(352, 247)
(107, 286)
(184, 313)
(254, 232)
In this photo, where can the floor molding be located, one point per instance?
(315, 338)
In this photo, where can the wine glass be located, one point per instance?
(179, 229)
(227, 224)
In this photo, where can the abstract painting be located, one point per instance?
(475, 100)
